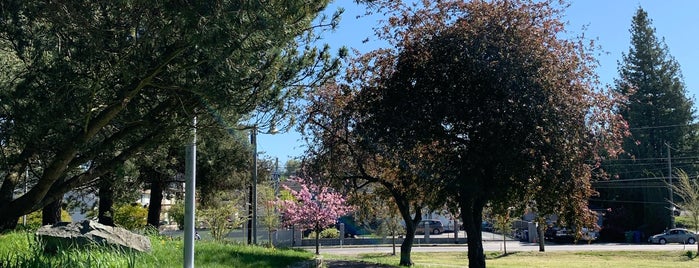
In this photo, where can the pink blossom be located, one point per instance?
(314, 208)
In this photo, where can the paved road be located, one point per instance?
(512, 246)
(493, 243)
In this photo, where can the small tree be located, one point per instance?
(503, 224)
(315, 207)
(270, 219)
(688, 190)
(391, 226)
(221, 218)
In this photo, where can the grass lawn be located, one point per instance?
(18, 249)
(592, 259)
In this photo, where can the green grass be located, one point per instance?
(606, 259)
(19, 249)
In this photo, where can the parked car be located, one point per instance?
(435, 227)
(677, 235)
(565, 235)
(485, 226)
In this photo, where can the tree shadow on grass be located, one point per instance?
(355, 264)
(498, 255)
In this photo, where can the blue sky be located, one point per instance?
(607, 21)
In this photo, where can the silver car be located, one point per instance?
(435, 226)
(677, 235)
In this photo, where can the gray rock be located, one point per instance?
(80, 234)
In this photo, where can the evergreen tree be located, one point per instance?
(658, 112)
(85, 86)
(660, 118)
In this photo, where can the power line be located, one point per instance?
(662, 159)
(664, 126)
(627, 180)
(629, 201)
(636, 186)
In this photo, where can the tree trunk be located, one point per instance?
(269, 237)
(472, 215)
(7, 224)
(105, 211)
(317, 240)
(393, 242)
(540, 233)
(51, 214)
(504, 243)
(6, 195)
(403, 204)
(407, 245)
(156, 202)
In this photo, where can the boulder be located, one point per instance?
(80, 234)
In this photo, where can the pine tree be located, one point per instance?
(659, 112)
(660, 117)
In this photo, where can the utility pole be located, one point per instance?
(669, 176)
(249, 224)
(26, 181)
(254, 185)
(252, 197)
(275, 177)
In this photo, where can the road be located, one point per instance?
(512, 246)
(493, 242)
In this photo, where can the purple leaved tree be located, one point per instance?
(314, 207)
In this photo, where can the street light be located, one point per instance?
(189, 209)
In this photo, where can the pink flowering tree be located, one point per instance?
(314, 207)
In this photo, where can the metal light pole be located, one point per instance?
(189, 209)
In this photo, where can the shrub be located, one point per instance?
(131, 216)
(34, 219)
(327, 233)
(176, 213)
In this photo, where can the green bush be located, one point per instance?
(131, 216)
(34, 219)
(327, 233)
(330, 233)
(684, 222)
(176, 213)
